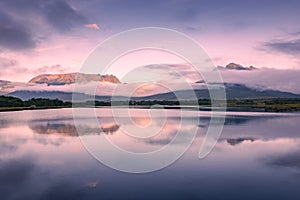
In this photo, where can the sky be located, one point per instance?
(56, 36)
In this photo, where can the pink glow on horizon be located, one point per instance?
(70, 53)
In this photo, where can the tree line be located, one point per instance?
(8, 101)
(275, 104)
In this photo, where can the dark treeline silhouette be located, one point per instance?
(275, 104)
(7, 101)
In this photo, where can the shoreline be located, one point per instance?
(13, 109)
(276, 109)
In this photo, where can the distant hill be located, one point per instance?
(62, 79)
(3, 82)
(65, 96)
(233, 91)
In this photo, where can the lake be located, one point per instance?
(256, 157)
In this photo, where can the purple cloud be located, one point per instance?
(291, 47)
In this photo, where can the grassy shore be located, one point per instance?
(260, 105)
(230, 107)
(267, 105)
(7, 109)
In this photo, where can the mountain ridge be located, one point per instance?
(233, 91)
(70, 78)
(235, 66)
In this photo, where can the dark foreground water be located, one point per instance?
(41, 157)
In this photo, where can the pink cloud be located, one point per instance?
(92, 26)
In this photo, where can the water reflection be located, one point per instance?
(3, 123)
(14, 174)
(61, 129)
(41, 157)
(70, 129)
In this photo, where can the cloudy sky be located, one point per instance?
(55, 36)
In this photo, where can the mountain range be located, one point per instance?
(234, 66)
(233, 90)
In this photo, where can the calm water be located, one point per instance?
(257, 157)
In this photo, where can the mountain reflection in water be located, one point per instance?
(70, 130)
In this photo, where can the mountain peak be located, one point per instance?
(234, 66)
(70, 78)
